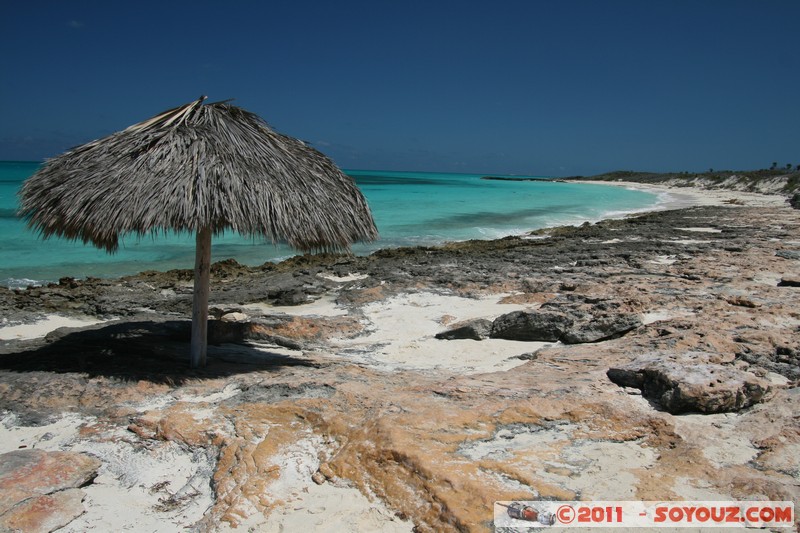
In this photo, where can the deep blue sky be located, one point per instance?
(530, 87)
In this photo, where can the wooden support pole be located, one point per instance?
(202, 267)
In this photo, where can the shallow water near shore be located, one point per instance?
(410, 209)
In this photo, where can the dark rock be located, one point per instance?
(595, 262)
(627, 376)
(72, 283)
(278, 340)
(531, 326)
(794, 201)
(601, 328)
(683, 387)
(789, 281)
(573, 327)
(479, 263)
(477, 329)
(155, 326)
(535, 285)
(279, 392)
(788, 254)
(229, 268)
(783, 360)
(291, 297)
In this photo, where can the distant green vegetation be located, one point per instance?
(764, 180)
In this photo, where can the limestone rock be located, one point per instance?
(39, 490)
(326, 470)
(789, 281)
(531, 326)
(291, 297)
(439, 445)
(26, 473)
(477, 329)
(682, 387)
(788, 254)
(571, 328)
(601, 328)
(42, 514)
(234, 317)
(240, 332)
(742, 301)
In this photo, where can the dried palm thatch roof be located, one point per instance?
(204, 169)
(198, 166)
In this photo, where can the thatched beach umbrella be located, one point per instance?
(203, 169)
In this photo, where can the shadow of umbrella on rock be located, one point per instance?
(202, 168)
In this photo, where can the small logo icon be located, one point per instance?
(520, 511)
(565, 514)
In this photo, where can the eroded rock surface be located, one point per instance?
(568, 326)
(352, 388)
(39, 491)
(531, 326)
(477, 329)
(689, 384)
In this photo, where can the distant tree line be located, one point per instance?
(788, 166)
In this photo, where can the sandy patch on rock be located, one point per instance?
(701, 230)
(593, 469)
(164, 486)
(311, 507)
(324, 306)
(401, 329)
(343, 279)
(40, 328)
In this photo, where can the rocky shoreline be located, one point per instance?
(655, 357)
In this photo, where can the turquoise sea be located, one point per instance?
(410, 208)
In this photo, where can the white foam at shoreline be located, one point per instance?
(20, 283)
(668, 197)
